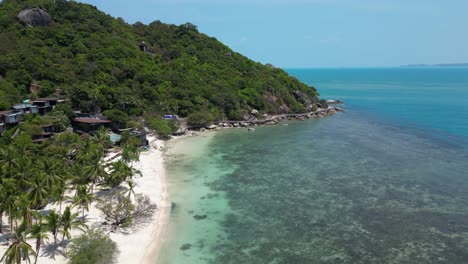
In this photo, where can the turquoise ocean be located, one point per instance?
(384, 182)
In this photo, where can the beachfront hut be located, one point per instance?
(88, 124)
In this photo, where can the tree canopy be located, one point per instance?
(97, 61)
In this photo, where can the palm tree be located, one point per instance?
(69, 221)
(9, 205)
(22, 172)
(102, 138)
(51, 168)
(23, 206)
(59, 194)
(60, 120)
(120, 172)
(131, 150)
(53, 224)
(18, 249)
(95, 170)
(3, 195)
(39, 190)
(8, 156)
(39, 232)
(83, 198)
(131, 188)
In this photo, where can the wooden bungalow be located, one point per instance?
(88, 125)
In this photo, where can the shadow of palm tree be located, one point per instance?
(51, 250)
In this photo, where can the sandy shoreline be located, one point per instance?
(139, 244)
(145, 243)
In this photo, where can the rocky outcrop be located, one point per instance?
(306, 100)
(35, 17)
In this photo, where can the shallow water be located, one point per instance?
(346, 189)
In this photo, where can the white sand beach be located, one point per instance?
(138, 244)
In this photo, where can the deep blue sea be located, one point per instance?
(385, 182)
(431, 100)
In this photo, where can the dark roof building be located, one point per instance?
(89, 125)
(45, 105)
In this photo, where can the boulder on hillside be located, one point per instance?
(35, 17)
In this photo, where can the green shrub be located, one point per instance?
(162, 127)
(200, 119)
(94, 247)
(119, 118)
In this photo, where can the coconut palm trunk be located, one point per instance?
(1, 221)
(38, 248)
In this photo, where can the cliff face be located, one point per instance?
(101, 62)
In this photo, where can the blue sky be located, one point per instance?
(319, 33)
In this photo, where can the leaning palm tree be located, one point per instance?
(18, 249)
(69, 221)
(39, 232)
(53, 224)
(83, 198)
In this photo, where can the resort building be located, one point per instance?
(26, 108)
(45, 105)
(88, 125)
(10, 117)
(47, 132)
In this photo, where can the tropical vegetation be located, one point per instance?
(101, 64)
(65, 169)
(93, 247)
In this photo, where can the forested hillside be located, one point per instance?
(99, 63)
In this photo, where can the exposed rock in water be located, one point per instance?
(35, 17)
(186, 246)
(200, 217)
(334, 102)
